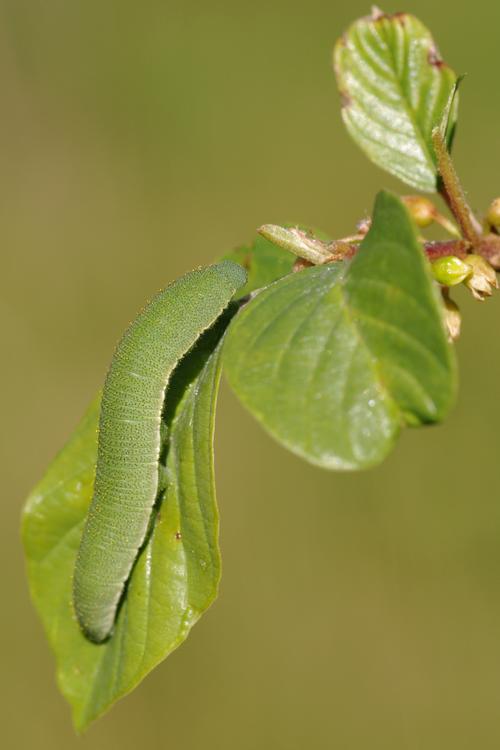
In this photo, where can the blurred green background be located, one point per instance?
(139, 140)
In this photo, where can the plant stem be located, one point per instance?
(452, 191)
(441, 249)
(433, 251)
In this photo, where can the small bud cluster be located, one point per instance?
(474, 272)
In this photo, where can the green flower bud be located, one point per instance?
(493, 215)
(483, 279)
(450, 270)
(422, 210)
(452, 318)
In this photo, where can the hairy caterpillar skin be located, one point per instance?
(126, 482)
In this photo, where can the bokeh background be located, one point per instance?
(139, 140)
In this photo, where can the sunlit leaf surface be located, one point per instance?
(333, 360)
(395, 89)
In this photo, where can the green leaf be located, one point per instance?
(395, 89)
(176, 575)
(264, 263)
(334, 359)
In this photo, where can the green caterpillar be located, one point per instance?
(126, 482)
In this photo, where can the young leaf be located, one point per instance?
(176, 575)
(334, 359)
(395, 90)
